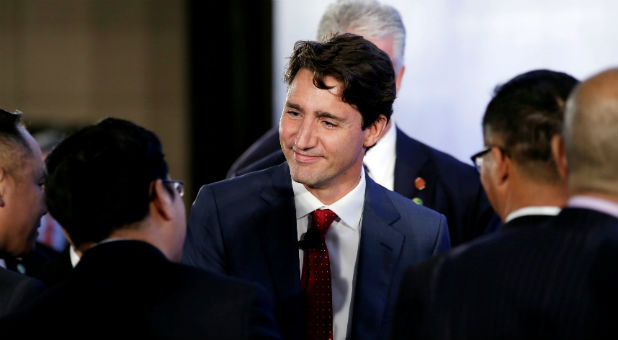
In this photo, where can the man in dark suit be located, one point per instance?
(398, 162)
(540, 278)
(130, 228)
(265, 226)
(22, 173)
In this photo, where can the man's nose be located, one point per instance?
(305, 137)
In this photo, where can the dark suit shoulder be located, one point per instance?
(405, 204)
(413, 212)
(413, 220)
(272, 159)
(249, 184)
(452, 188)
(261, 148)
(448, 168)
(17, 290)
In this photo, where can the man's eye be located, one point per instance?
(329, 124)
(293, 113)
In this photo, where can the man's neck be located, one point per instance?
(330, 194)
(534, 195)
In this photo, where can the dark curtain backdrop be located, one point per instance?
(229, 82)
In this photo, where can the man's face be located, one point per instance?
(23, 202)
(321, 136)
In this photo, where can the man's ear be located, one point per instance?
(559, 153)
(503, 165)
(373, 132)
(162, 201)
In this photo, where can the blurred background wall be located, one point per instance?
(67, 63)
(457, 51)
(197, 73)
(206, 76)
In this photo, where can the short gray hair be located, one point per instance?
(369, 18)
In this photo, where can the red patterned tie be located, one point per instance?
(315, 282)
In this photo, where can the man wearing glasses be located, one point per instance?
(516, 166)
(109, 188)
(525, 189)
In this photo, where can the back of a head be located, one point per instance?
(369, 19)
(524, 114)
(364, 70)
(99, 179)
(591, 135)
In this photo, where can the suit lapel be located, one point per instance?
(379, 251)
(279, 242)
(409, 162)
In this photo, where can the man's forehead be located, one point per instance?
(33, 156)
(334, 86)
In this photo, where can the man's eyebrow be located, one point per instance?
(324, 114)
(294, 106)
(321, 114)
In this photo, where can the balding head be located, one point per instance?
(591, 135)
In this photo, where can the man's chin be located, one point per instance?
(302, 176)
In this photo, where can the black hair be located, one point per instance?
(366, 72)
(99, 179)
(525, 113)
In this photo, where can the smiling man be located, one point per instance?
(22, 174)
(327, 242)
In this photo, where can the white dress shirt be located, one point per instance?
(380, 159)
(73, 256)
(342, 240)
(533, 210)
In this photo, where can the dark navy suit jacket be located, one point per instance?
(246, 227)
(16, 290)
(451, 187)
(128, 289)
(540, 278)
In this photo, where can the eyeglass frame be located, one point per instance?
(177, 185)
(478, 156)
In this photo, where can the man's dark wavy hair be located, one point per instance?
(365, 71)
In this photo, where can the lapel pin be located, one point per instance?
(419, 183)
(21, 268)
(417, 201)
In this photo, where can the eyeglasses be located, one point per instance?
(178, 185)
(477, 158)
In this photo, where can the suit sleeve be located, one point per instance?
(414, 296)
(204, 246)
(263, 324)
(443, 241)
(25, 291)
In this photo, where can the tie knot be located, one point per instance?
(322, 218)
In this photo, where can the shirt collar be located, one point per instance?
(593, 203)
(73, 256)
(349, 208)
(537, 210)
(378, 158)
